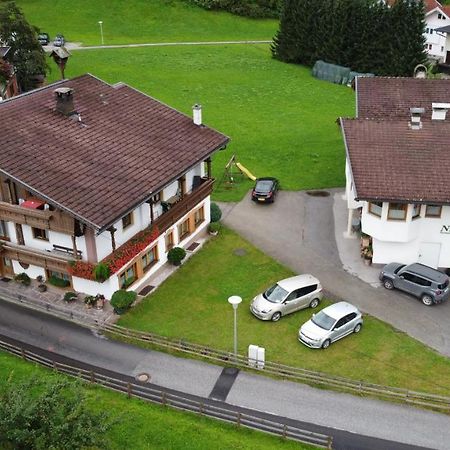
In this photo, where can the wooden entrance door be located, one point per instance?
(6, 267)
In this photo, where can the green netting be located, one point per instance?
(331, 72)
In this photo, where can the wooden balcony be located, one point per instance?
(27, 255)
(46, 220)
(183, 206)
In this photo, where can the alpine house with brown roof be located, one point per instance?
(95, 173)
(398, 158)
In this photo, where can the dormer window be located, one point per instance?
(376, 208)
(397, 211)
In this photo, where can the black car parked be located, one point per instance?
(265, 190)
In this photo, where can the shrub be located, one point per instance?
(101, 272)
(58, 282)
(70, 296)
(248, 8)
(90, 300)
(214, 227)
(216, 213)
(175, 255)
(40, 279)
(23, 278)
(122, 299)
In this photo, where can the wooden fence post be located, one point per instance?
(164, 398)
(92, 376)
(200, 410)
(238, 421)
(284, 430)
(22, 351)
(329, 442)
(129, 390)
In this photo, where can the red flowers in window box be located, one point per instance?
(118, 258)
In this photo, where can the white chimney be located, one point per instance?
(439, 110)
(46, 207)
(197, 114)
(416, 113)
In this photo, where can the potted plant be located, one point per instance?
(176, 255)
(70, 297)
(213, 228)
(101, 272)
(23, 278)
(41, 286)
(121, 300)
(89, 301)
(99, 301)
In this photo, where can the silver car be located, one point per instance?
(332, 323)
(287, 296)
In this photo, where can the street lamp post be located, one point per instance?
(234, 300)
(100, 22)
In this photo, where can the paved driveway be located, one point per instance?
(299, 231)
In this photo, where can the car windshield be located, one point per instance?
(263, 186)
(323, 321)
(275, 294)
(398, 269)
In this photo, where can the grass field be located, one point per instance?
(280, 119)
(140, 21)
(192, 305)
(138, 425)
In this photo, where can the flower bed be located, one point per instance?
(119, 257)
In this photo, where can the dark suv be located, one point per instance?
(424, 282)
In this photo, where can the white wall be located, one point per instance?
(400, 241)
(32, 271)
(436, 40)
(350, 189)
(93, 288)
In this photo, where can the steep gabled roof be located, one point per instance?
(125, 147)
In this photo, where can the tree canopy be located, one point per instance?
(26, 53)
(50, 415)
(365, 35)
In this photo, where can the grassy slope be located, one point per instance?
(141, 21)
(280, 119)
(192, 304)
(140, 425)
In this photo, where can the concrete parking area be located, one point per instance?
(301, 231)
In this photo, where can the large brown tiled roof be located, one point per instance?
(390, 161)
(126, 146)
(384, 97)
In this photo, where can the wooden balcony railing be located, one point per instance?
(183, 206)
(46, 220)
(27, 255)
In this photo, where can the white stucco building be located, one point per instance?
(396, 169)
(92, 173)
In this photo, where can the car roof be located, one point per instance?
(299, 281)
(338, 310)
(428, 272)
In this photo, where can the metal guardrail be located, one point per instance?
(420, 399)
(160, 396)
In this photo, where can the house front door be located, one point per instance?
(6, 268)
(429, 253)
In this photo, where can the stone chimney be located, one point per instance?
(439, 110)
(416, 113)
(197, 114)
(64, 101)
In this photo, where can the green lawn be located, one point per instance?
(138, 425)
(141, 21)
(192, 304)
(280, 119)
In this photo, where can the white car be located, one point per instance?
(332, 323)
(287, 296)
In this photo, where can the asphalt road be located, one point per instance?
(299, 231)
(355, 422)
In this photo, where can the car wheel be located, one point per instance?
(427, 300)
(388, 284)
(357, 329)
(276, 317)
(326, 343)
(314, 303)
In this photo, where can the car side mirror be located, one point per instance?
(402, 277)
